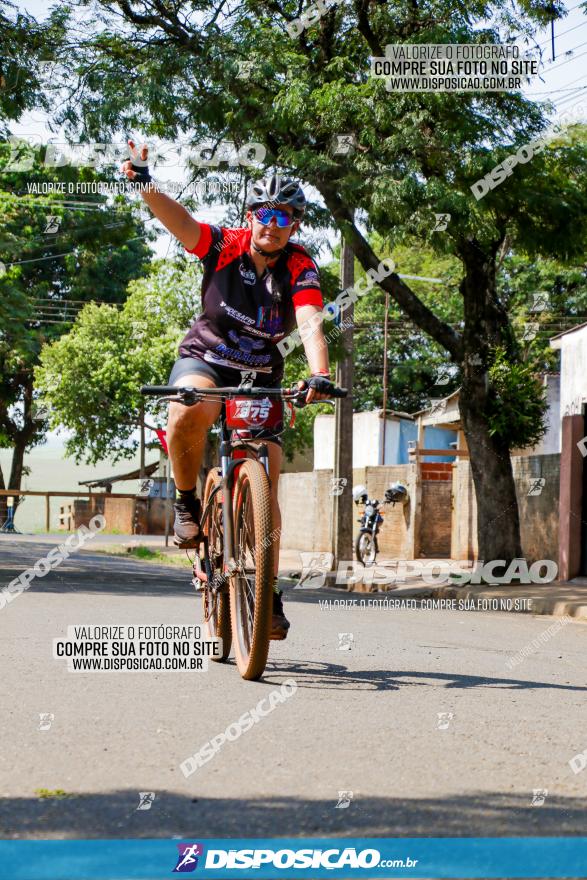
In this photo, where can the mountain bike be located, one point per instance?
(234, 566)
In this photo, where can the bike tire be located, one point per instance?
(359, 552)
(251, 593)
(217, 617)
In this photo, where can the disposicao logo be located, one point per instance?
(187, 859)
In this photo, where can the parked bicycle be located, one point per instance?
(234, 567)
(371, 520)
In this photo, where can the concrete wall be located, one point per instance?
(366, 439)
(539, 513)
(550, 443)
(119, 514)
(438, 438)
(440, 518)
(408, 431)
(573, 383)
(571, 496)
(464, 513)
(306, 509)
(396, 535)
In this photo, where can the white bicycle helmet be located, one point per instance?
(278, 190)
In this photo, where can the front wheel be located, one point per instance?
(216, 604)
(366, 548)
(251, 594)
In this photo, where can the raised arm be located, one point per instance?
(172, 215)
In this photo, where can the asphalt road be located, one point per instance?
(363, 720)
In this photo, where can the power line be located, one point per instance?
(56, 256)
(568, 31)
(568, 61)
(568, 99)
(568, 88)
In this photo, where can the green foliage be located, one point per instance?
(417, 154)
(23, 43)
(90, 378)
(517, 403)
(96, 250)
(522, 282)
(416, 364)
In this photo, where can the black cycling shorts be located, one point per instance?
(223, 377)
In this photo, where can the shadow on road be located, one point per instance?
(335, 676)
(114, 814)
(87, 572)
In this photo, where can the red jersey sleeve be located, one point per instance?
(305, 283)
(202, 249)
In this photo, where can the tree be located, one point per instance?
(91, 253)
(417, 154)
(542, 297)
(23, 43)
(116, 350)
(417, 368)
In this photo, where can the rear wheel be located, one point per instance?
(216, 604)
(366, 548)
(251, 594)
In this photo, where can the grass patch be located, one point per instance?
(146, 554)
(52, 793)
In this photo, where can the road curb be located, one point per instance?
(553, 604)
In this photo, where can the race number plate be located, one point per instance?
(246, 412)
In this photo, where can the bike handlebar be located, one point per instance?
(190, 391)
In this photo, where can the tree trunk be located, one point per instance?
(486, 325)
(17, 465)
(3, 504)
(498, 520)
(21, 440)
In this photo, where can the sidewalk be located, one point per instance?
(556, 599)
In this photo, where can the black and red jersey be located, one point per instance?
(243, 316)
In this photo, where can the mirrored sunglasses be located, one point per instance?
(266, 215)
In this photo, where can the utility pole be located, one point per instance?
(142, 443)
(342, 507)
(385, 326)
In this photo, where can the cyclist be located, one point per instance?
(257, 284)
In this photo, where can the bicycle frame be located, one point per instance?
(228, 467)
(237, 595)
(188, 396)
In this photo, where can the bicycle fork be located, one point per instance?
(228, 466)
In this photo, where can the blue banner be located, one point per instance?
(271, 858)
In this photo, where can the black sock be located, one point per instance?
(187, 493)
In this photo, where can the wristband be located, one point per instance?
(142, 173)
(324, 373)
